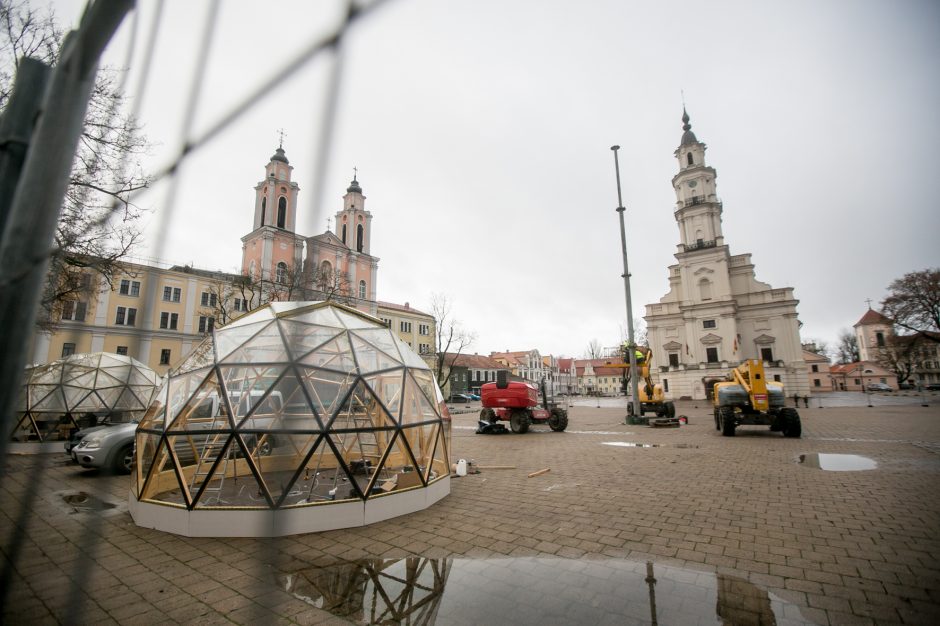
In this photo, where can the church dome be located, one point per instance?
(279, 156)
(688, 137)
(354, 187)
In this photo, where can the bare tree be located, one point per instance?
(452, 338)
(331, 286)
(846, 349)
(98, 223)
(593, 350)
(913, 303)
(899, 354)
(235, 296)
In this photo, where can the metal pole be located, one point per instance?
(634, 383)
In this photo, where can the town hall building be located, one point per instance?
(717, 314)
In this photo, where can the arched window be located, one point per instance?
(264, 205)
(362, 290)
(281, 275)
(344, 233)
(281, 212)
(359, 238)
(705, 289)
(326, 275)
(688, 158)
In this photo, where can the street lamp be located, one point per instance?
(634, 383)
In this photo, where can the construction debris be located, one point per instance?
(540, 472)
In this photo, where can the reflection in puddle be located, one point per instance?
(533, 590)
(838, 462)
(83, 502)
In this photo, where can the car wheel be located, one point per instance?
(123, 461)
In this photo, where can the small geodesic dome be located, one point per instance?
(296, 417)
(79, 391)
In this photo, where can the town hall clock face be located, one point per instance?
(692, 183)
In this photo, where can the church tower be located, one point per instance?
(341, 264)
(717, 313)
(273, 251)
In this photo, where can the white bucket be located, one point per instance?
(462, 467)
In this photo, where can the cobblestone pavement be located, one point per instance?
(834, 547)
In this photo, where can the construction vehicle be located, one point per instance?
(746, 398)
(518, 403)
(651, 396)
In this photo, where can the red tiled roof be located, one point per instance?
(873, 317)
(472, 361)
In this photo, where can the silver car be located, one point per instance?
(110, 447)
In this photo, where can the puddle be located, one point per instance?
(533, 590)
(627, 444)
(82, 502)
(838, 462)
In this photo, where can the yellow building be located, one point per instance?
(414, 327)
(152, 314)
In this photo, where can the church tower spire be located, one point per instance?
(354, 223)
(698, 209)
(273, 250)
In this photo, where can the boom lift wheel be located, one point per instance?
(726, 417)
(519, 421)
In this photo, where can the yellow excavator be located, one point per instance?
(745, 397)
(652, 398)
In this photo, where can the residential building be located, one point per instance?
(469, 372)
(817, 367)
(416, 328)
(600, 377)
(716, 314)
(566, 381)
(153, 314)
(526, 364)
(917, 355)
(856, 376)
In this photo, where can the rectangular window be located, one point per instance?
(238, 304)
(129, 288)
(135, 288)
(165, 356)
(177, 292)
(858, 382)
(131, 316)
(777, 378)
(125, 287)
(68, 349)
(209, 299)
(711, 355)
(423, 329)
(387, 321)
(766, 354)
(666, 385)
(880, 339)
(169, 320)
(817, 382)
(122, 350)
(674, 359)
(125, 316)
(119, 317)
(815, 368)
(709, 324)
(206, 324)
(74, 310)
(405, 327)
(167, 293)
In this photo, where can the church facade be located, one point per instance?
(337, 266)
(717, 314)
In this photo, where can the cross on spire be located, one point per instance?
(868, 300)
(355, 172)
(280, 132)
(329, 221)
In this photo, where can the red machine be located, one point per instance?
(518, 403)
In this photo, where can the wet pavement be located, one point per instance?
(678, 526)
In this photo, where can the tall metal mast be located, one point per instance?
(631, 344)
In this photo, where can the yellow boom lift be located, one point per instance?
(652, 398)
(745, 397)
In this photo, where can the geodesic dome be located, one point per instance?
(312, 410)
(79, 391)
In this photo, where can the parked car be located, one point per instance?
(473, 396)
(879, 387)
(109, 446)
(458, 397)
(907, 385)
(932, 386)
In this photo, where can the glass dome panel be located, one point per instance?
(370, 358)
(302, 338)
(382, 339)
(334, 355)
(388, 386)
(326, 390)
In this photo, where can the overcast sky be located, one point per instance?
(482, 133)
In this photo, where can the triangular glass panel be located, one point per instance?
(416, 407)
(425, 444)
(25, 430)
(208, 460)
(362, 411)
(409, 356)
(302, 338)
(203, 410)
(266, 346)
(107, 378)
(48, 374)
(81, 399)
(155, 416)
(370, 358)
(262, 408)
(398, 470)
(388, 387)
(80, 378)
(247, 386)
(323, 316)
(46, 398)
(146, 452)
(162, 483)
(381, 338)
(334, 355)
(322, 478)
(141, 377)
(127, 401)
(109, 396)
(229, 339)
(202, 356)
(350, 320)
(285, 308)
(326, 390)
